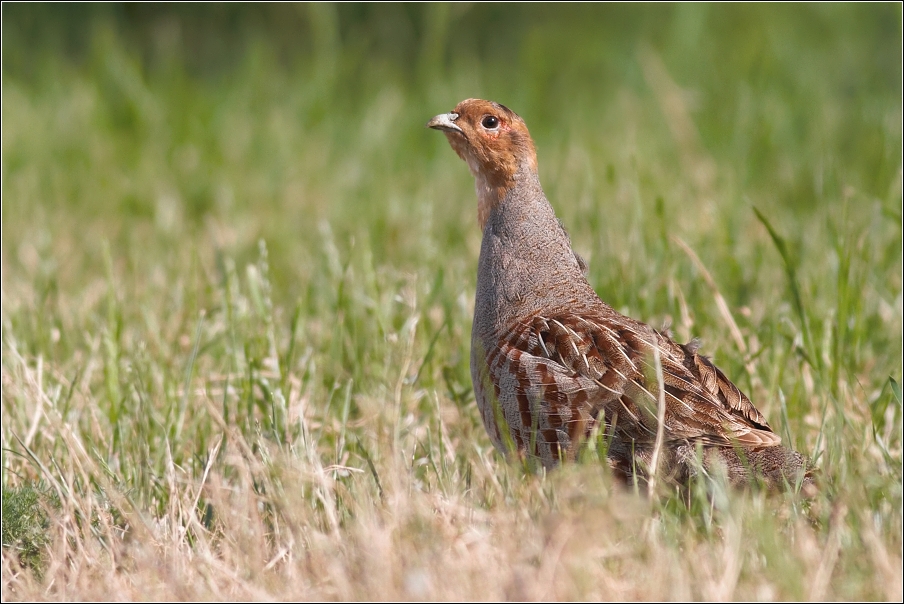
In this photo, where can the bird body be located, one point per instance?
(550, 361)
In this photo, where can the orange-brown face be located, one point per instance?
(490, 137)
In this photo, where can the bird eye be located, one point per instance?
(490, 122)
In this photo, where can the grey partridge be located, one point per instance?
(551, 362)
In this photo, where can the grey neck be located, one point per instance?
(526, 260)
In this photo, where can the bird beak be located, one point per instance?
(445, 122)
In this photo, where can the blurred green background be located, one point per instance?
(139, 122)
(181, 135)
(143, 144)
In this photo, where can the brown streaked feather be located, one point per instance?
(580, 366)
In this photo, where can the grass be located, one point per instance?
(238, 278)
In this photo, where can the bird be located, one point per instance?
(552, 365)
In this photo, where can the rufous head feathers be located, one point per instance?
(494, 142)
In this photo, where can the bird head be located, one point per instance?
(494, 142)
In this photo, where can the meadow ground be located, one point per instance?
(238, 278)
